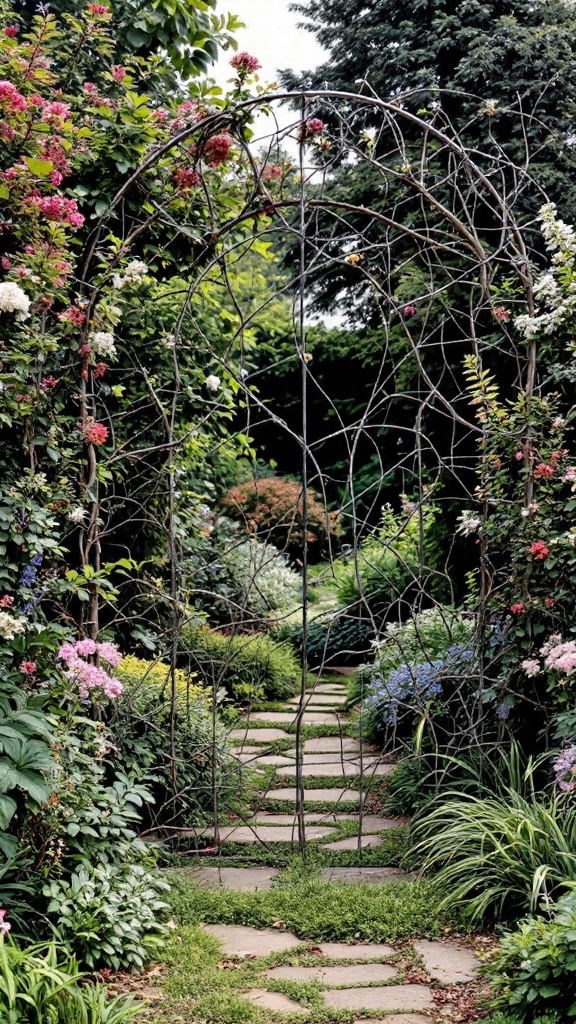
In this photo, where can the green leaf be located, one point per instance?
(41, 168)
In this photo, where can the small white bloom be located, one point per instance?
(212, 382)
(134, 273)
(102, 343)
(78, 514)
(13, 299)
(10, 625)
(490, 108)
(469, 523)
(570, 139)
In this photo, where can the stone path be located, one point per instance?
(364, 978)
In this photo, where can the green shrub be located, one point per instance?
(534, 970)
(337, 637)
(185, 760)
(251, 667)
(495, 853)
(41, 985)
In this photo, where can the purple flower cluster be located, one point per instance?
(565, 770)
(92, 679)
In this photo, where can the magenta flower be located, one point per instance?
(245, 64)
(539, 550)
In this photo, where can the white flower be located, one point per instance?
(469, 523)
(11, 626)
(77, 515)
(570, 139)
(13, 299)
(134, 273)
(102, 343)
(490, 108)
(531, 667)
(212, 382)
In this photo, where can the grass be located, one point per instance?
(318, 910)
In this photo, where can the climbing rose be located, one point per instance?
(312, 127)
(187, 178)
(217, 149)
(518, 608)
(245, 64)
(98, 9)
(539, 550)
(28, 668)
(14, 300)
(95, 433)
(543, 470)
(73, 315)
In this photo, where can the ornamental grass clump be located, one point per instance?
(496, 854)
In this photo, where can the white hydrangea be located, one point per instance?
(13, 299)
(212, 382)
(77, 515)
(134, 273)
(102, 343)
(469, 523)
(262, 577)
(11, 626)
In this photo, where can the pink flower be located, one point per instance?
(271, 172)
(86, 647)
(47, 383)
(55, 108)
(549, 602)
(217, 149)
(84, 350)
(10, 96)
(110, 653)
(98, 9)
(87, 676)
(409, 311)
(56, 178)
(245, 64)
(11, 31)
(501, 314)
(558, 422)
(6, 265)
(531, 667)
(95, 433)
(519, 455)
(119, 73)
(543, 470)
(539, 550)
(518, 608)
(6, 601)
(100, 370)
(74, 316)
(569, 475)
(5, 925)
(28, 668)
(187, 178)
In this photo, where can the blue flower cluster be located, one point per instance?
(410, 686)
(28, 578)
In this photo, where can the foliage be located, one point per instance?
(496, 850)
(532, 972)
(261, 577)
(251, 668)
(42, 983)
(390, 572)
(108, 914)
(318, 910)
(183, 755)
(272, 508)
(337, 636)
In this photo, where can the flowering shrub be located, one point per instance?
(92, 680)
(272, 509)
(260, 577)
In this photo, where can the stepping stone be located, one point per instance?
(336, 757)
(389, 997)
(241, 879)
(370, 876)
(330, 744)
(324, 796)
(366, 842)
(258, 735)
(238, 940)
(272, 833)
(320, 699)
(329, 688)
(274, 759)
(346, 951)
(246, 750)
(276, 1001)
(344, 670)
(310, 818)
(350, 974)
(373, 823)
(398, 1018)
(247, 758)
(336, 770)
(288, 718)
(448, 962)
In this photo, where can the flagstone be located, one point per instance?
(360, 951)
(289, 717)
(238, 940)
(314, 697)
(388, 997)
(448, 962)
(337, 770)
(327, 796)
(370, 876)
(330, 757)
(398, 1018)
(275, 760)
(342, 975)
(363, 842)
(330, 744)
(271, 833)
(246, 750)
(275, 1001)
(241, 879)
(259, 735)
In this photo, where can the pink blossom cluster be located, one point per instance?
(86, 674)
(565, 770)
(10, 97)
(245, 64)
(58, 208)
(559, 656)
(217, 149)
(5, 925)
(55, 108)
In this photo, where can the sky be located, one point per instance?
(271, 35)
